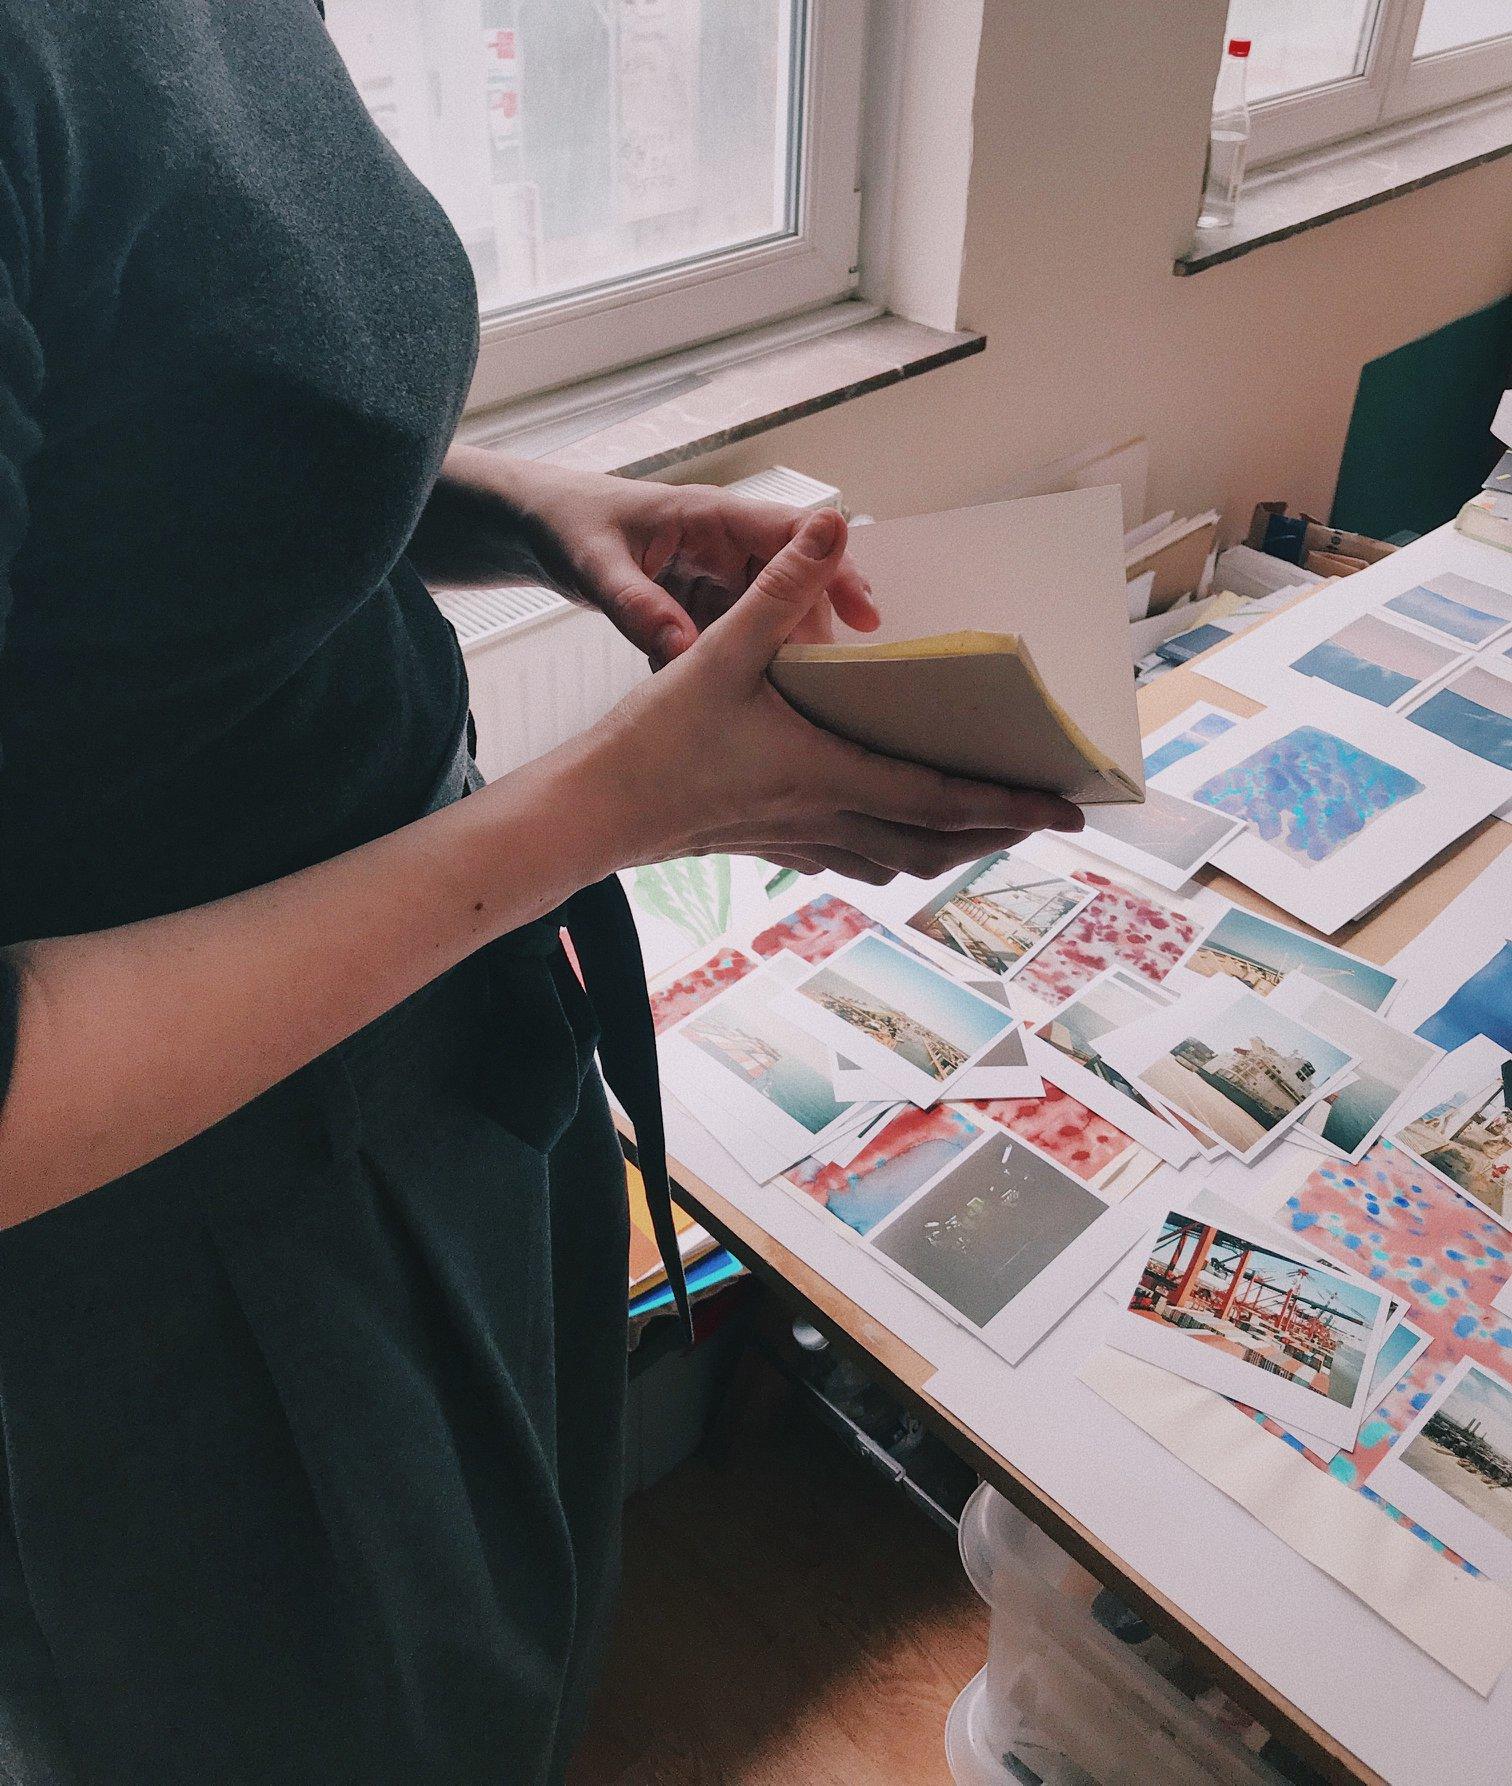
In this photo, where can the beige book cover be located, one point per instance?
(1003, 652)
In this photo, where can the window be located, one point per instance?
(1321, 70)
(628, 176)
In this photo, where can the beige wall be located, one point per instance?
(1090, 131)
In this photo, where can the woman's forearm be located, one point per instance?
(133, 1040)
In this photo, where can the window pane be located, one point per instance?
(579, 142)
(1301, 44)
(1452, 24)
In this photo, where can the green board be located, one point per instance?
(1419, 444)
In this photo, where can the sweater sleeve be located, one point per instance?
(21, 371)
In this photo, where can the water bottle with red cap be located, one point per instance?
(1228, 141)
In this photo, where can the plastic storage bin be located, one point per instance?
(1061, 1700)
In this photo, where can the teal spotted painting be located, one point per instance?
(1308, 792)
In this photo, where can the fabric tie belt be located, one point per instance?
(604, 937)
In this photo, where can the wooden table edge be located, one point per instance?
(904, 1372)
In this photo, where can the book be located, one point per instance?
(646, 1268)
(1003, 653)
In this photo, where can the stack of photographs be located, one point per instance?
(1232, 1307)
(1238, 1067)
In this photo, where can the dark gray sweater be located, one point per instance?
(235, 336)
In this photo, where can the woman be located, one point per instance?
(311, 1215)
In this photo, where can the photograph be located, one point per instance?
(1242, 1069)
(1451, 1470)
(786, 1066)
(1389, 1062)
(1473, 613)
(1074, 1033)
(1462, 1128)
(999, 911)
(1480, 1006)
(897, 1016)
(1403, 1345)
(1231, 1309)
(1473, 711)
(1291, 1316)
(987, 1227)
(1185, 735)
(897, 1161)
(1375, 660)
(758, 1082)
(1465, 1447)
(1165, 839)
(1308, 792)
(1081, 1141)
(1261, 953)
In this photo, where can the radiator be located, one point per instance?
(540, 670)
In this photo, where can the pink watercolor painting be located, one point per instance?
(1402, 1228)
(696, 985)
(1120, 928)
(1079, 1140)
(815, 930)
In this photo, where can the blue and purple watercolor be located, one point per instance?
(1309, 792)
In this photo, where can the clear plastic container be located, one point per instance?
(1061, 1699)
(1228, 139)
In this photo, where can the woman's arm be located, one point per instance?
(133, 1040)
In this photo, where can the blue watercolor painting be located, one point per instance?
(1309, 792)
(1456, 619)
(1356, 675)
(1482, 1006)
(1201, 731)
(1482, 726)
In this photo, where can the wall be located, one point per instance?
(1089, 137)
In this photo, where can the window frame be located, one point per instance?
(565, 339)
(1392, 89)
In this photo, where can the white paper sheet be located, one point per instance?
(1313, 648)
(1344, 802)
(1462, 1623)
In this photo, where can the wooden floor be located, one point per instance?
(811, 1628)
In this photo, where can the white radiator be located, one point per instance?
(541, 670)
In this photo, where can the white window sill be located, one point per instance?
(1300, 194)
(642, 421)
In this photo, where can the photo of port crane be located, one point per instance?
(1290, 1316)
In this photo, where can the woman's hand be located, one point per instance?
(707, 756)
(662, 561)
